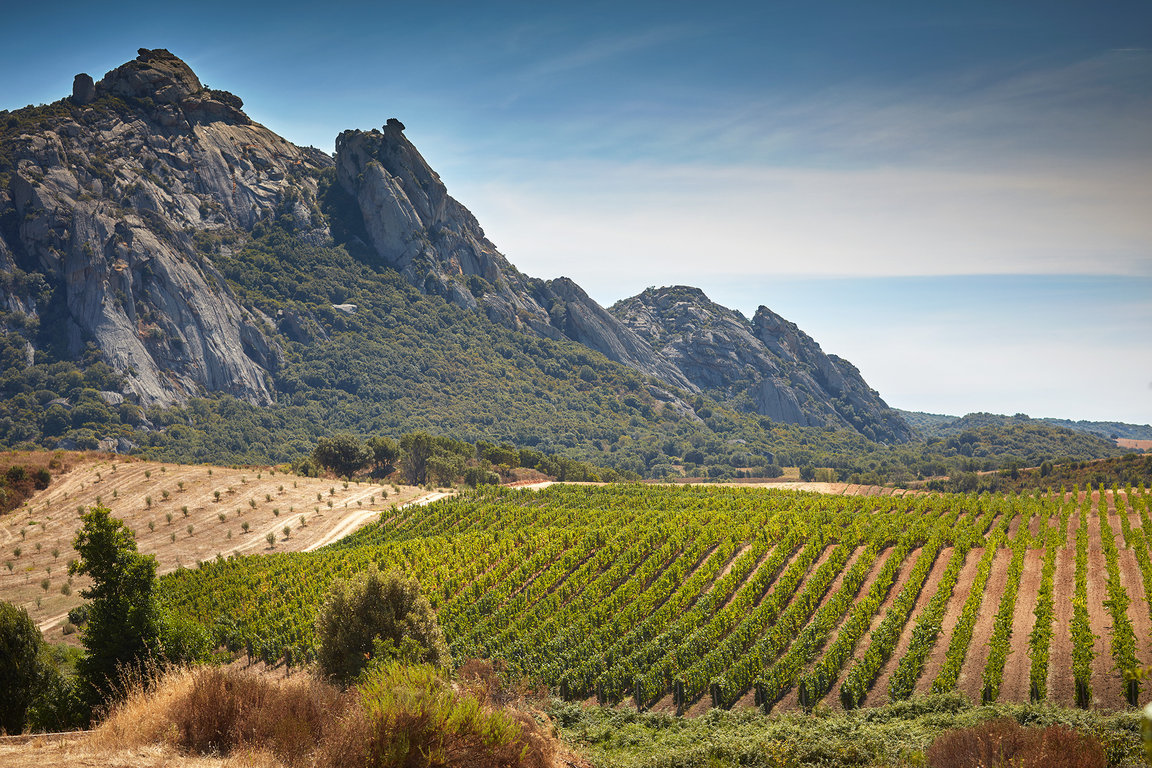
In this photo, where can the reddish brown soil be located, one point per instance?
(749, 698)
(790, 700)
(1061, 690)
(1137, 613)
(1140, 445)
(1107, 685)
(832, 699)
(936, 658)
(1015, 683)
(878, 694)
(971, 679)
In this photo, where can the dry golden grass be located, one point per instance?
(264, 498)
(221, 717)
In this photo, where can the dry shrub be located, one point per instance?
(491, 682)
(410, 717)
(216, 710)
(1004, 742)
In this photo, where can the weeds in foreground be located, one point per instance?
(402, 716)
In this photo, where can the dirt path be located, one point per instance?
(971, 679)
(1107, 687)
(1017, 669)
(1137, 614)
(1061, 688)
(935, 661)
(878, 693)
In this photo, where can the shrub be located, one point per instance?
(220, 711)
(410, 715)
(376, 617)
(20, 668)
(1004, 742)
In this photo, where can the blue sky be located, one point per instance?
(955, 197)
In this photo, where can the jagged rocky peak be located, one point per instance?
(767, 363)
(109, 195)
(416, 227)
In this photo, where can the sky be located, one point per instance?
(956, 197)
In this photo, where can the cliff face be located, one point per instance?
(117, 198)
(767, 363)
(417, 228)
(109, 197)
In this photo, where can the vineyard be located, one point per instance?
(685, 598)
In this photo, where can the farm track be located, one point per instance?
(1107, 690)
(1137, 614)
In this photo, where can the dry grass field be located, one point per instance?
(180, 513)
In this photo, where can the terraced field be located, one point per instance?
(684, 598)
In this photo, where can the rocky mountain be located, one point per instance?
(120, 204)
(767, 362)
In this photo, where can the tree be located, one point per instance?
(123, 630)
(20, 667)
(416, 448)
(344, 454)
(376, 616)
(385, 452)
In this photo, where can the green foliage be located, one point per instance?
(21, 670)
(344, 454)
(123, 630)
(373, 618)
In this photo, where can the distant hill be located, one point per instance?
(938, 425)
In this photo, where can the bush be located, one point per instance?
(20, 667)
(1004, 742)
(411, 716)
(220, 711)
(376, 617)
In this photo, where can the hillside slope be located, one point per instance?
(130, 217)
(178, 517)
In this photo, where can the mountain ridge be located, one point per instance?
(120, 204)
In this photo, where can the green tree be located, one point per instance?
(415, 448)
(376, 616)
(20, 667)
(123, 629)
(385, 452)
(344, 454)
(444, 468)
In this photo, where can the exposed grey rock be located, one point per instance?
(781, 370)
(107, 203)
(83, 89)
(416, 227)
(348, 309)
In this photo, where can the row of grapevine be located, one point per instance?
(1123, 636)
(1040, 639)
(1083, 639)
(998, 643)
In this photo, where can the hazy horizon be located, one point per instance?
(953, 199)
